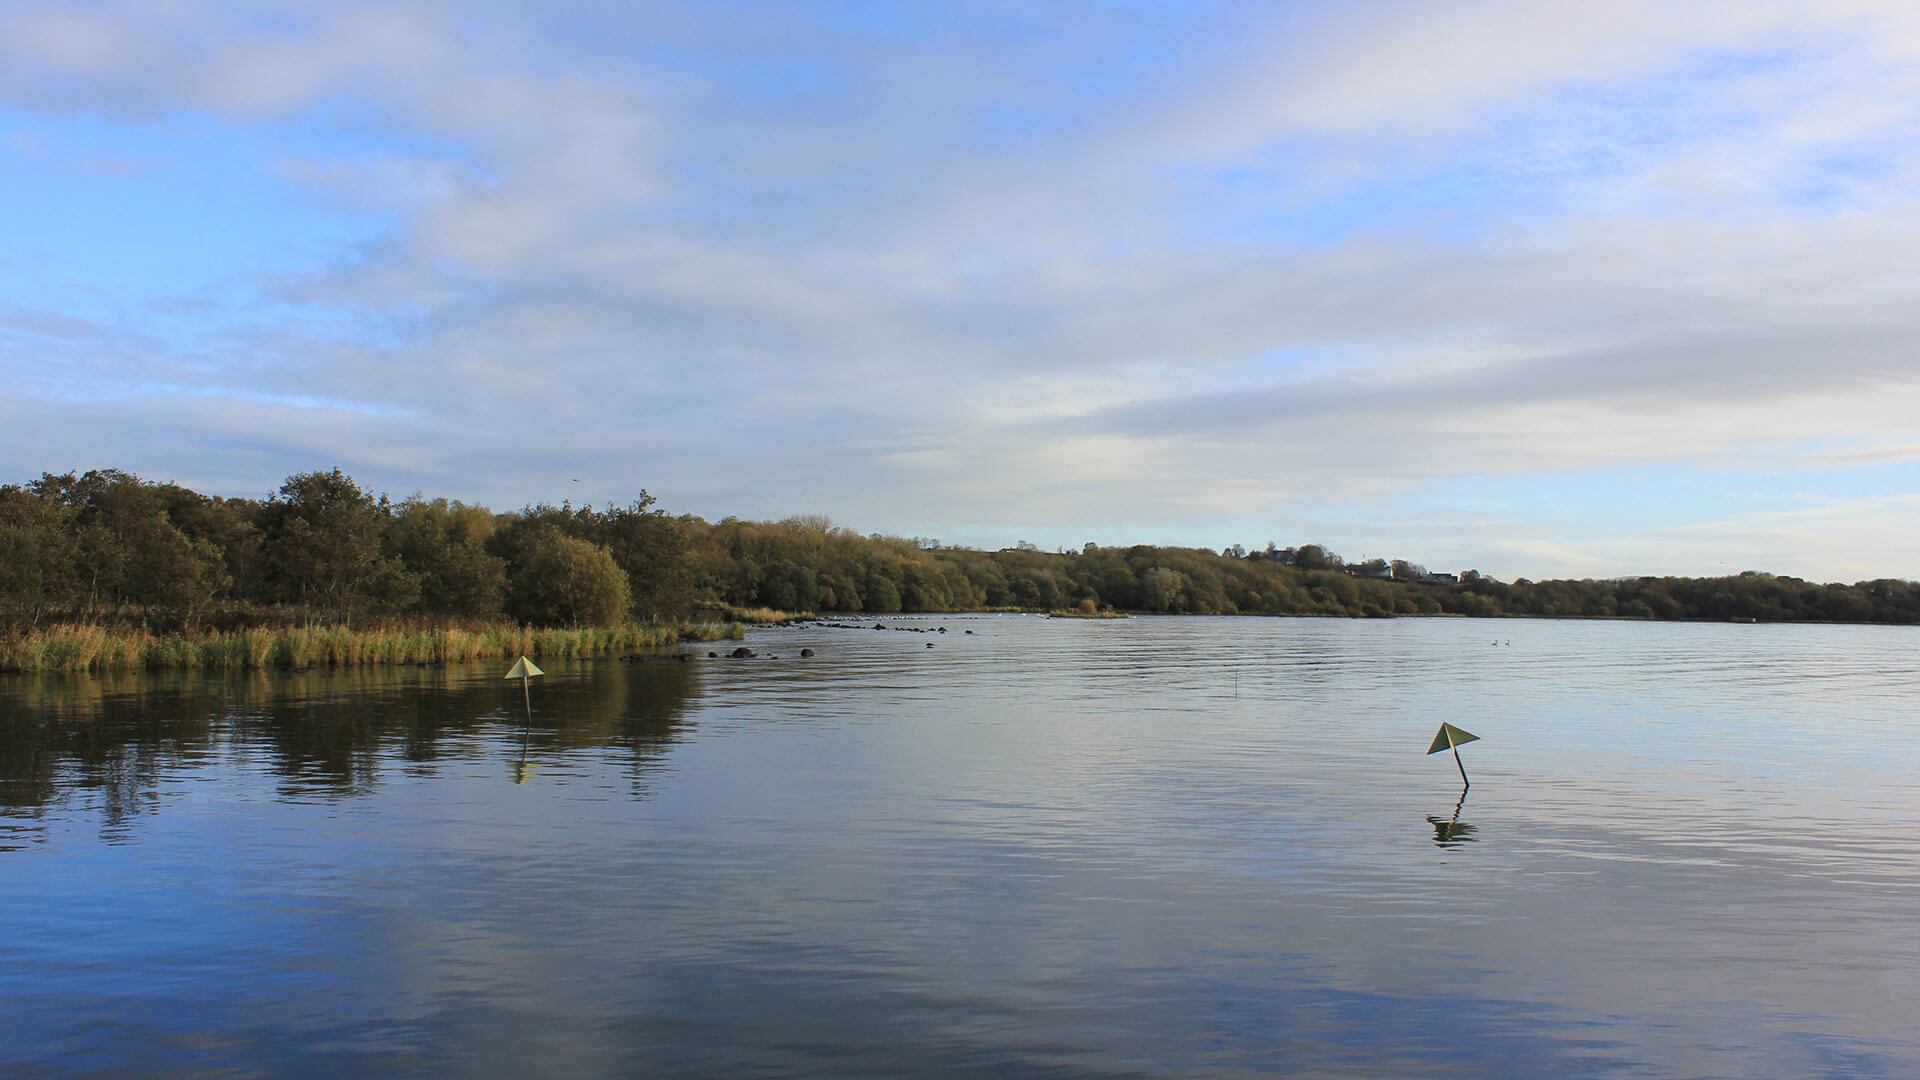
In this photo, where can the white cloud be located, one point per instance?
(933, 277)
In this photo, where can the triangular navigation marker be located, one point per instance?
(524, 670)
(1450, 738)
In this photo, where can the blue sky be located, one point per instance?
(1582, 289)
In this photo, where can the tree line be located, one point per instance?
(106, 546)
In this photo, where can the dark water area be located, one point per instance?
(1049, 848)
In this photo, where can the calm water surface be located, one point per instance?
(1152, 847)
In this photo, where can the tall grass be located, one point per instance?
(89, 647)
(761, 616)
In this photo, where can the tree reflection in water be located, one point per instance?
(105, 745)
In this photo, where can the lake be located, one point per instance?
(1154, 847)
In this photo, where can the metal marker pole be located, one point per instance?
(526, 733)
(1463, 768)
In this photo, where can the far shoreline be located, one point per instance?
(81, 648)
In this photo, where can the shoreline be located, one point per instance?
(83, 648)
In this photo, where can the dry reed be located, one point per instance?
(86, 647)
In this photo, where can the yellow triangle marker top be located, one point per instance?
(524, 668)
(1449, 737)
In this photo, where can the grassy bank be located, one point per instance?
(83, 647)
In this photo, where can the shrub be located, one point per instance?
(570, 582)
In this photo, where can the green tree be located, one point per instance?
(838, 593)
(569, 582)
(654, 551)
(323, 538)
(443, 545)
(1161, 587)
(127, 550)
(882, 594)
(37, 573)
(1315, 557)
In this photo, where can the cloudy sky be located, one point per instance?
(1570, 289)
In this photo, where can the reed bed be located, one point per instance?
(763, 616)
(93, 648)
